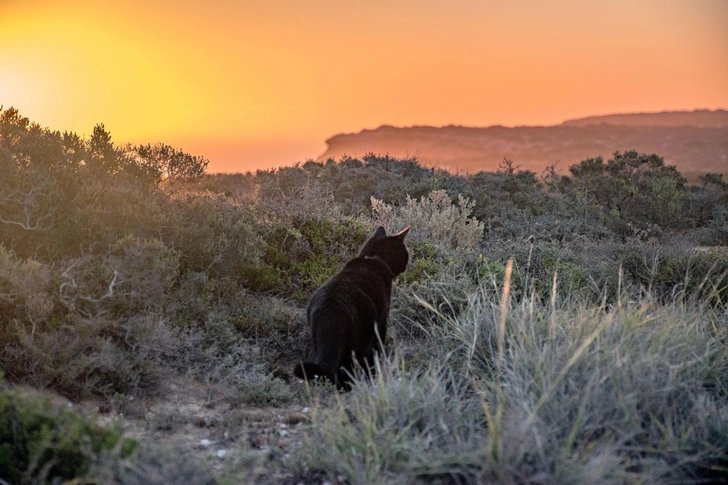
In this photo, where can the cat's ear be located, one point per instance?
(380, 232)
(401, 234)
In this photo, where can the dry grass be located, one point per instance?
(562, 393)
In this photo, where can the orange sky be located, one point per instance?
(257, 84)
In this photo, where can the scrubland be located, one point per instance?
(551, 328)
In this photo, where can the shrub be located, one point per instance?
(152, 464)
(433, 218)
(701, 276)
(301, 253)
(212, 234)
(633, 187)
(261, 390)
(96, 356)
(132, 277)
(40, 443)
(27, 297)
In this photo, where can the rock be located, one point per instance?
(295, 418)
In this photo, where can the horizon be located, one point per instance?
(251, 85)
(526, 125)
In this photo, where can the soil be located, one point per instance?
(251, 443)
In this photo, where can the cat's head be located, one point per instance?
(390, 249)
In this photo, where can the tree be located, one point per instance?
(165, 164)
(632, 187)
(102, 153)
(709, 201)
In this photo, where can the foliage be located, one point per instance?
(701, 276)
(152, 464)
(632, 187)
(163, 163)
(260, 390)
(61, 194)
(303, 252)
(575, 394)
(123, 266)
(433, 218)
(41, 443)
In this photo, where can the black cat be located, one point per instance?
(347, 309)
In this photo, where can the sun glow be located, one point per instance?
(257, 83)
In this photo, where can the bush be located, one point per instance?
(633, 187)
(96, 356)
(133, 276)
(699, 276)
(152, 464)
(93, 326)
(40, 443)
(302, 253)
(27, 297)
(214, 235)
(260, 390)
(433, 218)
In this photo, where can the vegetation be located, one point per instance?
(39, 442)
(562, 328)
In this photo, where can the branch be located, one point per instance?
(109, 293)
(27, 200)
(69, 296)
(40, 224)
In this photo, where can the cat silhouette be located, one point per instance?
(348, 314)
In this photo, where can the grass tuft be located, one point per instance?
(571, 393)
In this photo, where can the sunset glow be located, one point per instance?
(257, 84)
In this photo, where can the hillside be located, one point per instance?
(700, 118)
(699, 147)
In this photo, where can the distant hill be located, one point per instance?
(700, 118)
(694, 141)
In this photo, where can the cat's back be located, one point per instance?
(359, 278)
(361, 273)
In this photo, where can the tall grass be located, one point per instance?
(532, 391)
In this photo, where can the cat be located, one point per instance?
(348, 314)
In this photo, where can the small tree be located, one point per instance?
(708, 202)
(632, 187)
(164, 164)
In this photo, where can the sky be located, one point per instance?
(258, 84)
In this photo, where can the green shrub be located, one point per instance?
(700, 276)
(27, 297)
(261, 390)
(96, 356)
(425, 262)
(213, 234)
(301, 253)
(104, 210)
(40, 443)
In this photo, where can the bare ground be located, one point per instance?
(248, 443)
